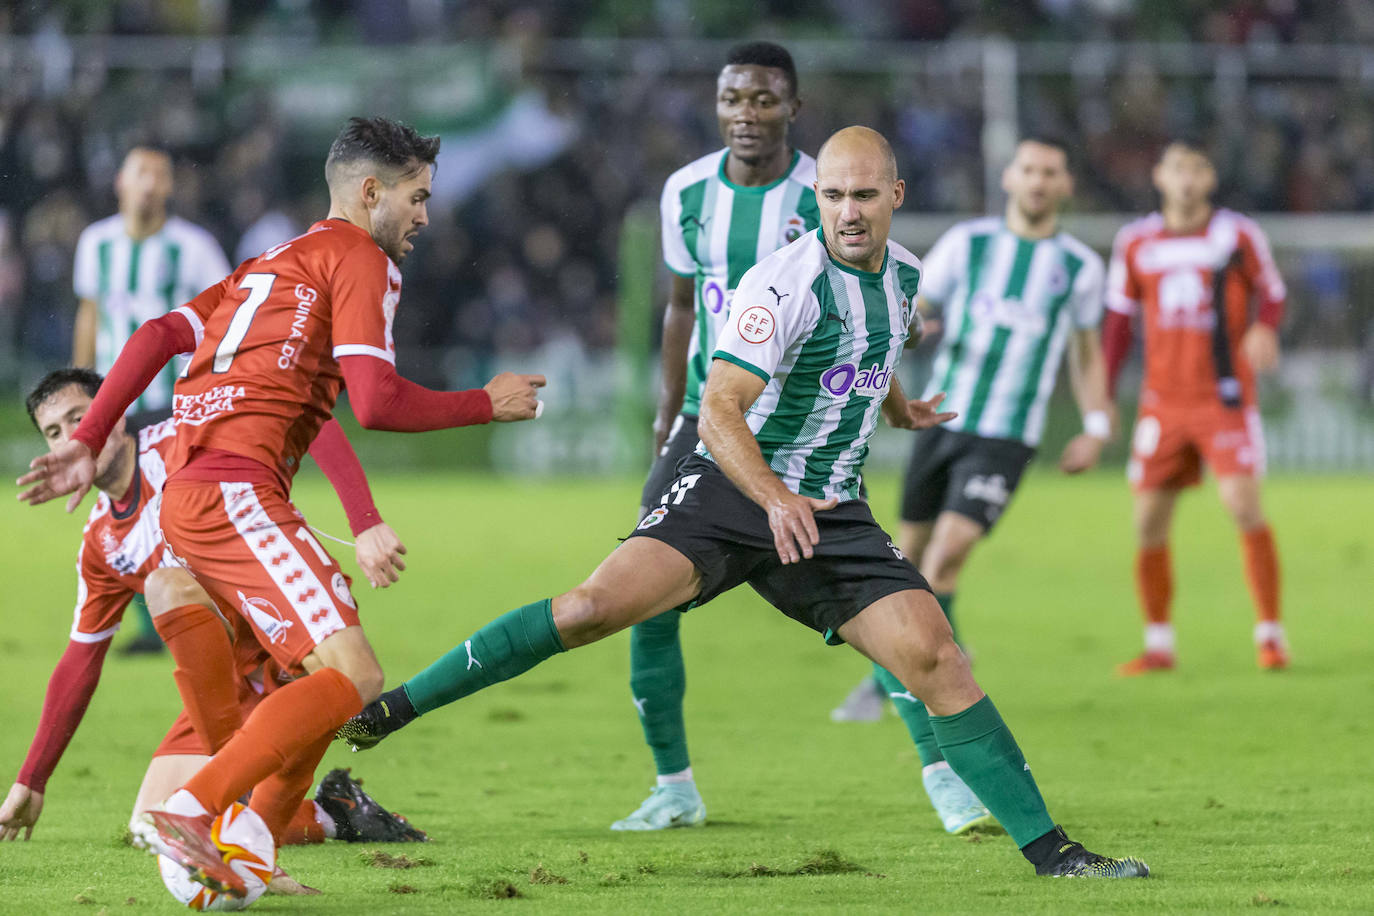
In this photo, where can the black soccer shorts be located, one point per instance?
(726, 536)
(682, 440)
(951, 471)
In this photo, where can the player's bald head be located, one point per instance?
(854, 146)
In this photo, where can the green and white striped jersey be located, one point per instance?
(715, 230)
(134, 281)
(826, 338)
(1009, 305)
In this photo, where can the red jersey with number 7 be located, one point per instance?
(1196, 292)
(265, 374)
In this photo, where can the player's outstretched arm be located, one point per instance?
(730, 390)
(20, 811)
(514, 397)
(679, 322)
(69, 468)
(381, 399)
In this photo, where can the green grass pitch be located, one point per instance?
(1241, 789)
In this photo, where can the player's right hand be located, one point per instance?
(20, 810)
(69, 468)
(792, 519)
(514, 397)
(378, 551)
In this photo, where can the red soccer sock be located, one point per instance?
(278, 797)
(1262, 571)
(205, 676)
(304, 829)
(289, 720)
(1154, 580)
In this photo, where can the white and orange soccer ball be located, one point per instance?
(247, 845)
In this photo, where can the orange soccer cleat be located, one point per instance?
(188, 841)
(1147, 663)
(1272, 655)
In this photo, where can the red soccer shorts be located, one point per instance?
(252, 551)
(1171, 443)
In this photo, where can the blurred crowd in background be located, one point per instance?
(522, 247)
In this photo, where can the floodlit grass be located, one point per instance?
(1241, 789)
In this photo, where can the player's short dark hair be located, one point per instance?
(765, 54)
(1053, 142)
(397, 149)
(54, 382)
(1189, 142)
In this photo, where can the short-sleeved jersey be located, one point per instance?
(132, 281)
(714, 230)
(120, 549)
(265, 373)
(1009, 306)
(1196, 293)
(826, 339)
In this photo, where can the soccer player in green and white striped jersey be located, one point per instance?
(803, 369)
(720, 215)
(1015, 292)
(136, 265)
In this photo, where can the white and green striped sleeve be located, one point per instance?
(86, 270)
(773, 309)
(1088, 292)
(675, 252)
(209, 265)
(943, 265)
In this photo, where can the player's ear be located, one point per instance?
(796, 107)
(898, 193)
(371, 191)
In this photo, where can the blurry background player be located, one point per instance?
(1014, 292)
(135, 265)
(1211, 300)
(122, 553)
(720, 214)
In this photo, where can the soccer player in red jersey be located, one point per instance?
(1210, 299)
(273, 345)
(122, 554)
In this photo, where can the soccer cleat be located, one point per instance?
(284, 885)
(957, 807)
(864, 703)
(357, 816)
(1272, 655)
(189, 842)
(1071, 860)
(1147, 663)
(368, 728)
(677, 804)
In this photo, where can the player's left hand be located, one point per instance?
(379, 553)
(20, 810)
(1260, 345)
(69, 468)
(918, 414)
(1080, 454)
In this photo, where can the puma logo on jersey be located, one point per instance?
(639, 704)
(700, 223)
(904, 695)
(842, 319)
(472, 659)
(779, 296)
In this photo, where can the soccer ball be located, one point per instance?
(249, 849)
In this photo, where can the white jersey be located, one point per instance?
(714, 230)
(1009, 306)
(826, 339)
(133, 281)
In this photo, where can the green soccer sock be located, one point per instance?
(511, 644)
(913, 713)
(981, 750)
(658, 682)
(947, 605)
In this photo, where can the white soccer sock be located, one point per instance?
(325, 821)
(668, 779)
(1269, 631)
(1159, 637)
(184, 803)
(935, 767)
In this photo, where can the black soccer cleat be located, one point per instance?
(1071, 860)
(357, 816)
(388, 713)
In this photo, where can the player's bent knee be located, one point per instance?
(172, 587)
(584, 615)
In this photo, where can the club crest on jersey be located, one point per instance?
(792, 230)
(756, 324)
(265, 617)
(340, 587)
(871, 381)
